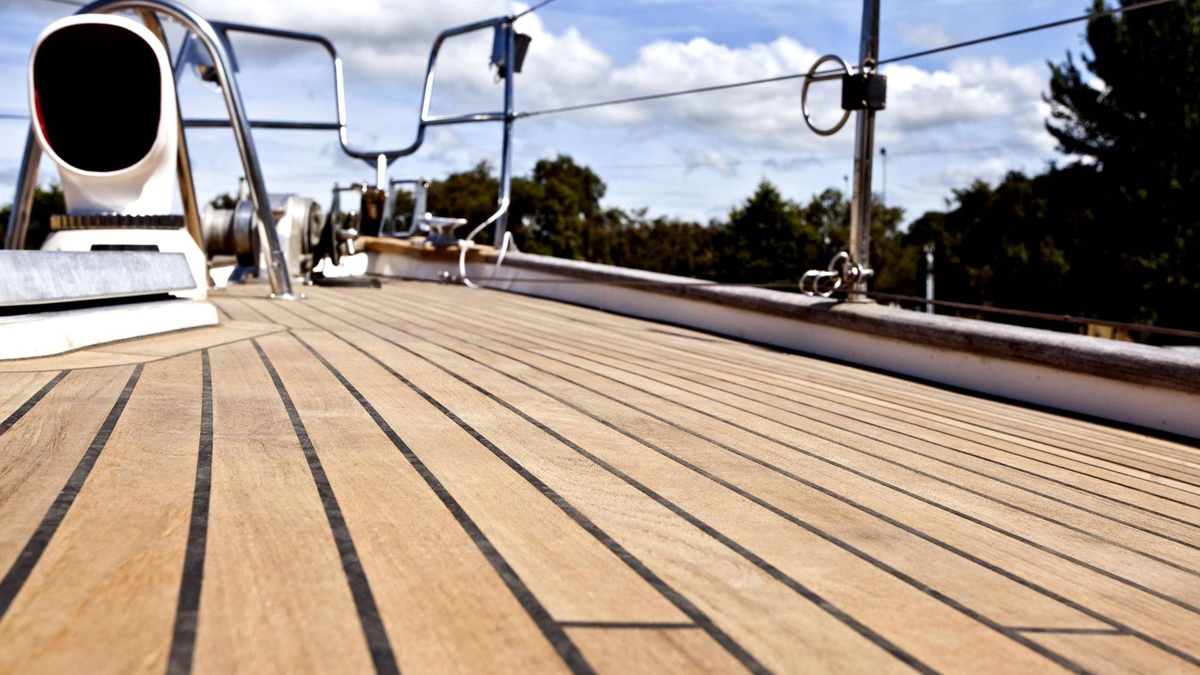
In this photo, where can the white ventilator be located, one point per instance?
(102, 99)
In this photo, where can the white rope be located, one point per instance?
(464, 244)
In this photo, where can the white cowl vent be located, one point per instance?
(102, 98)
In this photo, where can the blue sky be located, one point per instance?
(951, 117)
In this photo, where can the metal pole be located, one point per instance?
(883, 154)
(381, 167)
(187, 187)
(281, 283)
(864, 147)
(506, 144)
(18, 221)
(929, 278)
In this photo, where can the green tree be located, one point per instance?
(565, 218)
(47, 201)
(766, 239)
(1141, 126)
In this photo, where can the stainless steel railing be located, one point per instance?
(382, 158)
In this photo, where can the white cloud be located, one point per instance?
(926, 35)
(708, 158)
(387, 45)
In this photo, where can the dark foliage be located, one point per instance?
(47, 201)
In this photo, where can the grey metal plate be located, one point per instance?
(39, 277)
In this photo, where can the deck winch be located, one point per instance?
(236, 232)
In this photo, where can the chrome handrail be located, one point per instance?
(384, 158)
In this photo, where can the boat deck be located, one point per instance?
(429, 478)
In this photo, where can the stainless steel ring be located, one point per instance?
(813, 77)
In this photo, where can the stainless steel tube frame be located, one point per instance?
(18, 220)
(281, 284)
(373, 157)
(864, 149)
(187, 186)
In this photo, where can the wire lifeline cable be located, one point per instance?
(533, 9)
(818, 159)
(795, 76)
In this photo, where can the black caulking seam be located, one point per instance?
(23, 566)
(905, 578)
(187, 608)
(32, 401)
(1045, 549)
(952, 549)
(220, 309)
(753, 558)
(759, 372)
(553, 632)
(919, 472)
(675, 597)
(257, 311)
(1067, 631)
(957, 450)
(630, 625)
(376, 636)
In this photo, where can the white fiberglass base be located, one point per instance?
(46, 333)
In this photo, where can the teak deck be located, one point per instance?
(429, 478)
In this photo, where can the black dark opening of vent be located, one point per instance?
(98, 93)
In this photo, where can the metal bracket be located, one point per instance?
(865, 90)
(841, 271)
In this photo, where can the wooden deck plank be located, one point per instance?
(274, 595)
(914, 450)
(237, 311)
(1115, 654)
(1015, 605)
(102, 598)
(38, 454)
(1065, 502)
(1182, 469)
(873, 441)
(432, 478)
(652, 651)
(719, 364)
(757, 615)
(1066, 578)
(1183, 515)
(566, 568)
(144, 350)
(16, 390)
(434, 587)
(184, 342)
(903, 615)
(88, 358)
(1077, 429)
(947, 449)
(1171, 584)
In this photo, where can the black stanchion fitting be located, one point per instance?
(864, 91)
